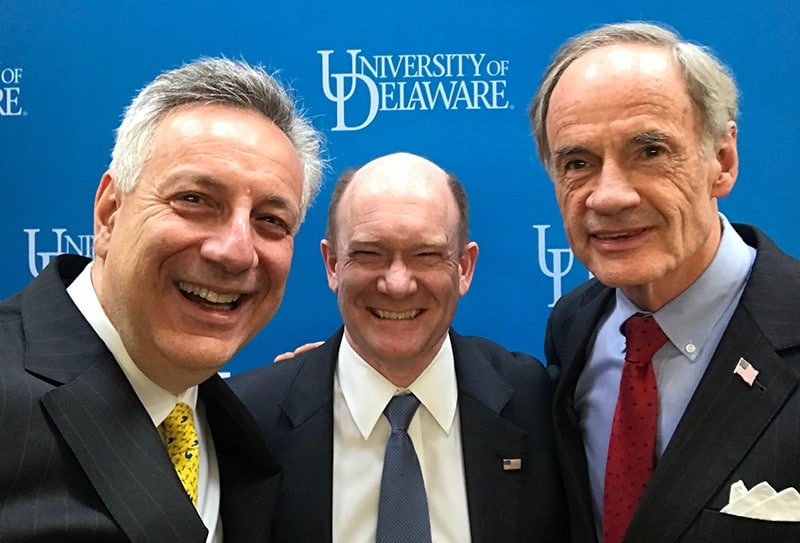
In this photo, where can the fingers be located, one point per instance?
(300, 350)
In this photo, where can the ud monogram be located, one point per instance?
(558, 270)
(83, 245)
(341, 96)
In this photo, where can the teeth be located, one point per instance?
(208, 295)
(405, 315)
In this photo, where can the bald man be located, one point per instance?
(398, 256)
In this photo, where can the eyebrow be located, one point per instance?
(649, 137)
(569, 150)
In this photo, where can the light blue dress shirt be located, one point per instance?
(694, 323)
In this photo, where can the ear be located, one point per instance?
(106, 204)
(466, 267)
(330, 260)
(728, 159)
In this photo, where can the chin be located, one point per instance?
(199, 356)
(615, 279)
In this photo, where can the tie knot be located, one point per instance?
(179, 417)
(178, 431)
(643, 337)
(400, 410)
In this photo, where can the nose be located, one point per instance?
(613, 191)
(398, 280)
(230, 243)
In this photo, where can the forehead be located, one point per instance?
(395, 203)
(619, 83)
(218, 133)
(194, 123)
(621, 59)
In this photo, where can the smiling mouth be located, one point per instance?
(610, 236)
(209, 298)
(396, 316)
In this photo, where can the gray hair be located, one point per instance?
(214, 81)
(710, 83)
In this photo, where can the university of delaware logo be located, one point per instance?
(10, 80)
(60, 242)
(562, 262)
(363, 85)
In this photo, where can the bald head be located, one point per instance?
(398, 259)
(399, 175)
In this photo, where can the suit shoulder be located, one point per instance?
(576, 298)
(272, 380)
(273, 376)
(511, 364)
(577, 295)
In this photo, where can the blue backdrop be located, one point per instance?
(448, 80)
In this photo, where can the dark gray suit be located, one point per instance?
(80, 459)
(730, 431)
(504, 401)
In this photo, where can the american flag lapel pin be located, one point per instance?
(511, 464)
(746, 371)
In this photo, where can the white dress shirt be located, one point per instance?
(157, 401)
(360, 434)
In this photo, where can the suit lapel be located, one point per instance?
(726, 416)
(493, 495)
(99, 416)
(120, 451)
(249, 477)
(574, 337)
(308, 404)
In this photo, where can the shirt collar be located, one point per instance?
(157, 401)
(685, 325)
(366, 392)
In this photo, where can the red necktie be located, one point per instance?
(632, 446)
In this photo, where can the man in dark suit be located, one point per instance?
(398, 256)
(638, 131)
(194, 221)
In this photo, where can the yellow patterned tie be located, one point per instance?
(183, 447)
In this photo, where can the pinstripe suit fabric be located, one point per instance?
(80, 458)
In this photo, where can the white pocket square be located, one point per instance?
(763, 502)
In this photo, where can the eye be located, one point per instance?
(193, 204)
(367, 256)
(190, 197)
(652, 151)
(274, 225)
(429, 258)
(576, 164)
(364, 253)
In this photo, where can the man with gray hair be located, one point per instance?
(114, 424)
(680, 360)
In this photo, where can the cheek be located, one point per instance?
(357, 281)
(276, 258)
(571, 207)
(680, 196)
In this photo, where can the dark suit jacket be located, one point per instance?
(505, 404)
(80, 459)
(730, 431)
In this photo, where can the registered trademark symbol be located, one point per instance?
(512, 107)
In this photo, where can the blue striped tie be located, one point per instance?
(403, 507)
